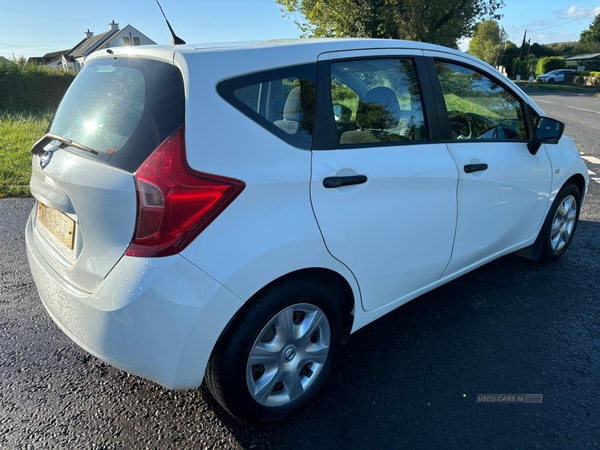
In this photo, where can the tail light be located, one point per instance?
(175, 202)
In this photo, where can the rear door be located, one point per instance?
(383, 187)
(116, 112)
(503, 189)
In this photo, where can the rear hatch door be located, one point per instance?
(114, 115)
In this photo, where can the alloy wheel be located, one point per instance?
(563, 223)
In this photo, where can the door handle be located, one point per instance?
(470, 168)
(336, 182)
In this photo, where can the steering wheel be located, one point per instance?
(461, 125)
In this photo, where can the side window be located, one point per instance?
(281, 100)
(478, 107)
(376, 101)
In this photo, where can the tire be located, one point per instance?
(551, 80)
(561, 222)
(259, 371)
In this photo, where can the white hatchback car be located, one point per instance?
(554, 76)
(234, 212)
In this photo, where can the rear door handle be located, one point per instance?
(470, 168)
(336, 182)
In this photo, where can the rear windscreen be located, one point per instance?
(121, 108)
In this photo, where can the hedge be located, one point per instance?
(549, 63)
(586, 73)
(25, 87)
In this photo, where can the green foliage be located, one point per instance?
(18, 132)
(486, 42)
(437, 21)
(524, 66)
(545, 65)
(26, 87)
(592, 34)
(509, 54)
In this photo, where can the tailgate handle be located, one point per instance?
(470, 168)
(336, 182)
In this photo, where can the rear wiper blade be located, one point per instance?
(68, 142)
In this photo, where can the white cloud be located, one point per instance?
(575, 12)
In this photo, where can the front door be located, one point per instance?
(503, 189)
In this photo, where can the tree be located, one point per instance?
(487, 41)
(437, 21)
(510, 52)
(592, 34)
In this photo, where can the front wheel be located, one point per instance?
(277, 352)
(561, 223)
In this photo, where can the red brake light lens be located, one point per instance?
(175, 202)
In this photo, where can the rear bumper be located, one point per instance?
(154, 317)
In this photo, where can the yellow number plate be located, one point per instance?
(58, 224)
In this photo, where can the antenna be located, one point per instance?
(176, 40)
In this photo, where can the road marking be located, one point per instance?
(597, 180)
(591, 159)
(591, 173)
(565, 106)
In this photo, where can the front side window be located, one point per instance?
(376, 101)
(280, 100)
(478, 107)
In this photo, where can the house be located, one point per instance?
(49, 59)
(74, 58)
(589, 61)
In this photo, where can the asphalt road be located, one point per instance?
(409, 380)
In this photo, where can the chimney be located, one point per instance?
(88, 34)
(113, 26)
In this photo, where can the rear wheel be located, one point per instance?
(561, 223)
(277, 352)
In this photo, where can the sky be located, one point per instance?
(35, 27)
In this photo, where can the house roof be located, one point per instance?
(583, 57)
(89, 44)
(54, 55)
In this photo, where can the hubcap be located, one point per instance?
(288, 355)
(563, 223)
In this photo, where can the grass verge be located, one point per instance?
(18, 132)
(563, 87)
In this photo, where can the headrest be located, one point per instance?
(293, 107)
(379, 110)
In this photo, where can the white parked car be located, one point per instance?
(554, 76)
(233, 213)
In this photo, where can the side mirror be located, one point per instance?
(337, 112)
(341, 112)
(545, 131)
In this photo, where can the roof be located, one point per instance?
(88, 44)
(309, 48)
(583, 57)
(58, 54)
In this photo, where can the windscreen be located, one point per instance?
(122, 108)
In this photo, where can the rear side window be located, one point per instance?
(281, 100)
(121, 108)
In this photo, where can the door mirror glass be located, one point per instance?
(341, 112)
(548, 131)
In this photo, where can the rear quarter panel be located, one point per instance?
(270, 229)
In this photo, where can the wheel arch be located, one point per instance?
(330, 278)
(579, 181)
(534, 251)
